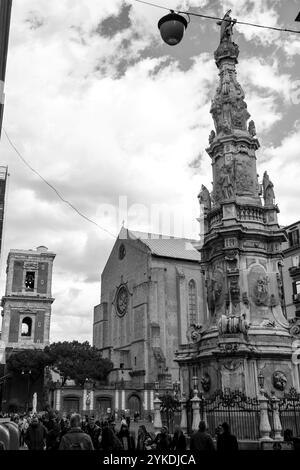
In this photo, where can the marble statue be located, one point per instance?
(268, 191)
(204, 198)
(226, 24)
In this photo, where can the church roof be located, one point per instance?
(167, 246)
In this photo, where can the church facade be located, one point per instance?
(151, 294)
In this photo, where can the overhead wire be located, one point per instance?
(53, 187)
(191, 13)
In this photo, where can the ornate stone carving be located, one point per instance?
(295, 327)
(233, 324)
(232, 365)
(234, 290)
(244, 179)
(279, 380)
(245, 299)
(224, 186)
(204, 198)
(206, 382)
(268, 191)
(228, 347)
(194, 333)
(261, 294)
(268, 323)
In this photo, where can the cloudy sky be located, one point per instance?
(114, 118)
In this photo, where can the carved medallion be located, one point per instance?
(279, 380)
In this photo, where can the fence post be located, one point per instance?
(183, 421)
(196, 410)
(157, 416)
(276, 419)
(203, 416)
(264, 426)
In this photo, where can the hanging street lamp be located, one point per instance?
(172, 28)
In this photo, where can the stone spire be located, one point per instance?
(229, 109)
(233, 143)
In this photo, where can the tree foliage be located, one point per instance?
(78, 361)
(30, 361)
(72, 360)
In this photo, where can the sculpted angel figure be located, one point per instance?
(226, 27)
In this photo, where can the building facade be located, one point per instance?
(151, 294)
(291, 271)
(246, 333)
(5, 14)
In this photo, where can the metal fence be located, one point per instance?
(289, 412)
(242, 413)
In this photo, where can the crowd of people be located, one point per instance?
(49, 431)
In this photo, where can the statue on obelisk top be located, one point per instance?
(226, 24)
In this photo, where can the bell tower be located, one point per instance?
(28, 299)
(246, 332)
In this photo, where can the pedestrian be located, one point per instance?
(109, 442)
(35, 437)
(53, 436)
(226, 442)
(144, 440)
(75, 438)
(163, 441)
(93, 431)
(179, 440)
(126, 439)
(201, 439)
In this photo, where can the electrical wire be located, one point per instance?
(53, 188)
(191, 13)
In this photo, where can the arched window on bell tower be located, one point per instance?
(192, 302)
(26, 327)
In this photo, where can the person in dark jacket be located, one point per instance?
(35, 437)
(53, 436)
(126, 439)
(163, 441)
(93, 431)
(201, 440)
(179, 440)
(75, 438)
(226, 442)
(109, 442)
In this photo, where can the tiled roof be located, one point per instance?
(167, 246)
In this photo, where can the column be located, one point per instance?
(276, 419)
(183, 422)
(151, 400)
(58, 399)
(196, 410)
(123, 400)
(92, 400)
(157, 416)
(84, 399)
(264, 426)
(145, 400)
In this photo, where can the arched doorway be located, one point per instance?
(103, 405)
(134, 404)
(71, 405)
